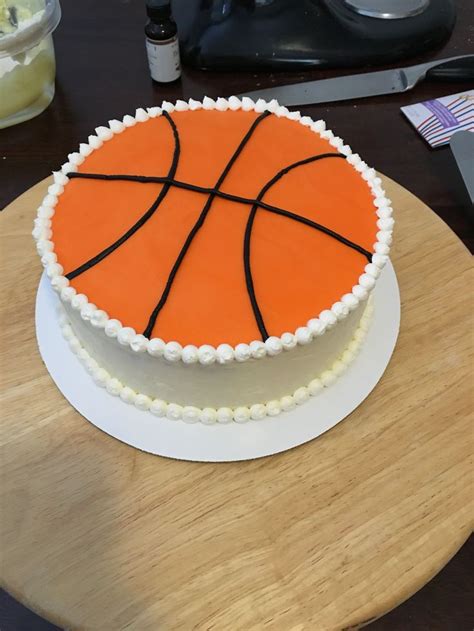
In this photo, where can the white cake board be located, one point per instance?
(233, 441)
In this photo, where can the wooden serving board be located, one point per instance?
(97, 535)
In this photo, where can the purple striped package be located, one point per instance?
(437, 120)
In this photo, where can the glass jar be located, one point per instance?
(27, 63)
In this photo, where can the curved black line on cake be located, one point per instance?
(147, 179)
(144, 218)
(198, 225)
(248, 234)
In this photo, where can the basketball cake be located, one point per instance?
(214, 261)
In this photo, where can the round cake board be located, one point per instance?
(233, 441)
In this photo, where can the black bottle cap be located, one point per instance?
(157, 9)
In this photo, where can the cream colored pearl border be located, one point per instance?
(207, 354)
(208, 415)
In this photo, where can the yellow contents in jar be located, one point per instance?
(27, 78)
(26, 73)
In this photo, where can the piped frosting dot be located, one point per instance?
(328, 318)
(174, 411)
(315, 386)
(114, 386)
(273, 408)
(127, 394)
(139, 343)
(242, 352)
(207, 354)
(172, 351)
(190, 354)
(156, 347)
(208, 103)
(208, 416)
(241, 414)
(225, 415)
(257, 349)
(158, 407)
(303, 335)
(125, 335)
(316, 326)
(273, 345)
(112, 327)
(224, 353)
(288, 341)
(247, 104)
(301, 395)
(258, 411)
(287, 402)
(142, 402)
(190, 414)
(234, 103)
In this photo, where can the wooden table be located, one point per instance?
(102, 74)
(331, 535)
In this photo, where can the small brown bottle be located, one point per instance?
(162, 42)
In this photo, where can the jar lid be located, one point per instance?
(45, 16)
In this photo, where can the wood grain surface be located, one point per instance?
(97, 535)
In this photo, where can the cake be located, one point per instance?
(214, 261)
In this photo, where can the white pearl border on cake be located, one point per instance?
(207, 354)
(208, 415)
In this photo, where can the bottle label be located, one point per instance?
(163, 59)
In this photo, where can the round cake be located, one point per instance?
(214, 260)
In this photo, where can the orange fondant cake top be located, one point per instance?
(188, 256)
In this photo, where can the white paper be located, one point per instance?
(439, 119)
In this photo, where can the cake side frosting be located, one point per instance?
(218, 385)
(247, 409)
(268, 345)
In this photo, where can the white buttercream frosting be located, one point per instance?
(116, 126)
(257, 349)
(303, 335)
(181, 106)
(141, 115)
(328, 318)
(207, 354)
(208, 415)
(317, 326)
(242, 352)
(125, 335)
(224, 353)
(242, 414)
(94, 141)
(156, 347)
(247, 104)
(105, 133)
(289, 340)
(222, 104)
(208, 103)
(139, 343)
(273, 408)
(190, 354)
(112, 327)
(274, 345)
(128, 121)
(99, 318)
(234, 103)
(194, 105)
(172, 351)
(154, 112)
